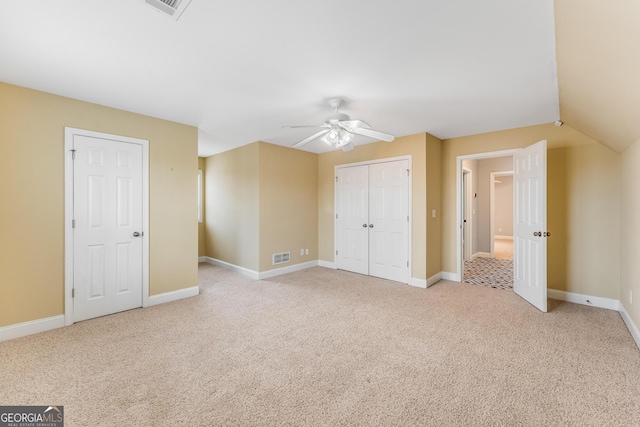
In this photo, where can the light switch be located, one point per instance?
(433, 213)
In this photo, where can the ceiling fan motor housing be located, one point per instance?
(337, 117)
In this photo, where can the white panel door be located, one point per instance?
(108, 209)
(352, 219)
(530, 225)
(372, 225)
(389, 220)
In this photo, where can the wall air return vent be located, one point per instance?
(281, 258)
(173, 8)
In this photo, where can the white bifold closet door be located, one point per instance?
(372, 219)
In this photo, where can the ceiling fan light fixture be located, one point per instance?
(347, 147)
(337, 138)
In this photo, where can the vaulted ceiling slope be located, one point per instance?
(598, 47)
(241, 70)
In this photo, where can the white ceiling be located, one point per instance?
(241, 70)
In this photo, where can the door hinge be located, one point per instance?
(407, 172)
(73, 292)
(407, 218)
(73, 223)
(336, 216)
(407, 263)
(73, 154)
(336, 252)
(336, 179)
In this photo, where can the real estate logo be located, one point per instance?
(31, 416)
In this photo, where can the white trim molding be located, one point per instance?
(255, 275)
(454, 277)
(173, 296)
(633, 329)
(600, 302)
(327, 264)
(245, 271)
(202, 259)
(285, 270)
(20, 330)
(434, 279)
(418, 283)
(503, 237)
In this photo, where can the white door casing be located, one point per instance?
(372, 219)
(530, 224)
(106, 194)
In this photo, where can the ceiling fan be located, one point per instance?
(338, 130)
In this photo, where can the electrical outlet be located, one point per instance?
(301, 252)
(307, 251)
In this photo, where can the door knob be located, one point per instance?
(537, 233)
(370, 225)
(136, 234)
(364, 225)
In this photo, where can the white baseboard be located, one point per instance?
(29, 328)
(249, 273)
(633, 329)
(284, 270)
(202, 259)
(608, 303)
(173, 296)
(481, 255)
(454, 277)
(418, 283)
(255, 275)
(434, 279)
(327, 264)
(503, 237)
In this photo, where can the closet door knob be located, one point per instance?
(370, 225)
(364, 225)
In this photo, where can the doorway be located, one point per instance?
(529, 220)
(488, 211)
(501, 215)
(106, 227)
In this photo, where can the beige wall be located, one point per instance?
(32, 192)
(414, 145)
(261, 199)
(597, 75)
(434, 201)
(485, 168)
(202, 162)
(288, 204)
(232, 199)
(583, 213)
(630, 210)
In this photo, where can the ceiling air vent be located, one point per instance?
(173, 8)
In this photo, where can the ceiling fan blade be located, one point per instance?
(356, 124)
(373, 134)
(311, 138)
(305, 126)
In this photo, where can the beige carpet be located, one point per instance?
(329, 348)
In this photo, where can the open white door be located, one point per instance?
(530, 225)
